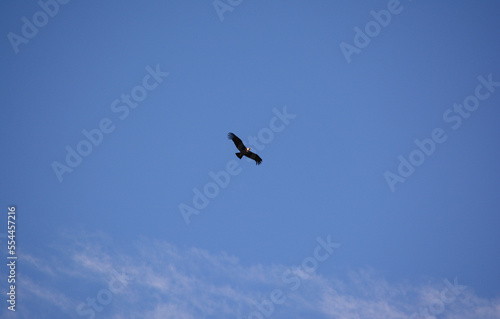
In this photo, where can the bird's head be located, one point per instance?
(248, 149)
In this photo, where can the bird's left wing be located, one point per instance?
(255, 157)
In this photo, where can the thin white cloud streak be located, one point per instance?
(46, 294)
(32, 299)
(168, 282)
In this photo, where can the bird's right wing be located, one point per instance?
(236, 140)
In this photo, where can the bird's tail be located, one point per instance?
(240, 155)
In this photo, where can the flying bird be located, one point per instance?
(244, 151)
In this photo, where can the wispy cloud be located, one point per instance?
(48, 295)
(164, 281)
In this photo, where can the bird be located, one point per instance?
(244, 151)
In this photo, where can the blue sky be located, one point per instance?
(377, 123)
